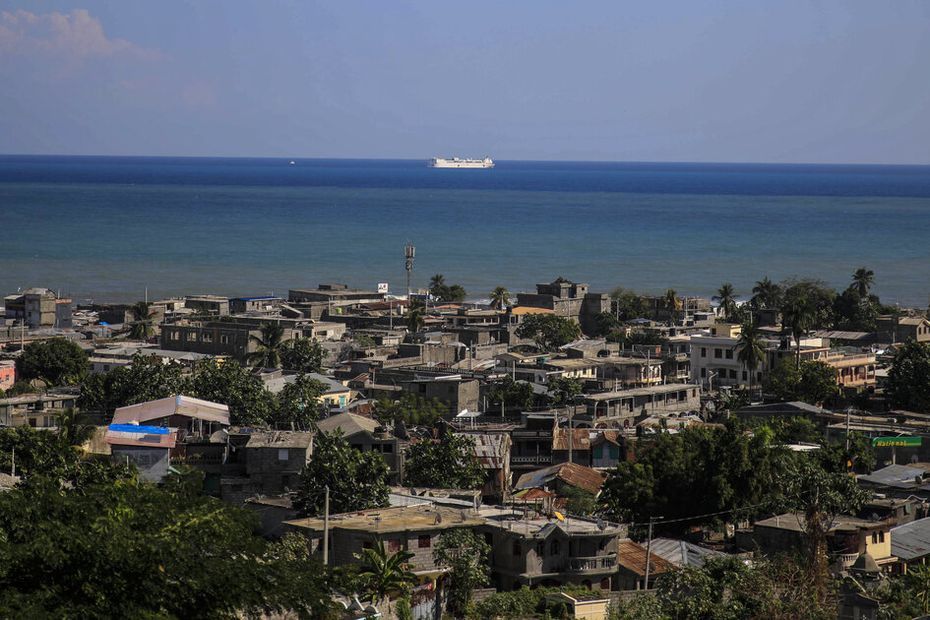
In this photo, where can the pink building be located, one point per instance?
(7, 374)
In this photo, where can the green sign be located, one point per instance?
(896, 442)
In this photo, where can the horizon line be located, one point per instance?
(574, 161)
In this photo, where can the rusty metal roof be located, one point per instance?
(632, 556)
(573, 474)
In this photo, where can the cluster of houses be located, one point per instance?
(538, 451)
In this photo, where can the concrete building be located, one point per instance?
(544, 551)
(36, 410)
(274, 460)
(891, 329)
(265, 303)
(213, 305)
(39, 307)
(415, 529)
(218, 338)
(625, 405)
(569, 300)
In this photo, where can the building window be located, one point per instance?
(366, 545)
(703, 373)
(732, 374)
(718, 353)
(729, 354)
(541, 548)
(207, 337)
(703, 351)
(516, 547)
(283, 454)
(394, 545)
(745, 375)
(388, 448)
(554, 548)
(224, 339)
(423, 542)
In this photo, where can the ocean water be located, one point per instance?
(107, 228)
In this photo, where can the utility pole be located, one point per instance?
(571, 433)
(649, 552)
(848, 410)
(326, 528)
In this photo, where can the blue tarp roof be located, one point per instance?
(142, 430)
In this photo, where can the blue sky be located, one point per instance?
(679, 80)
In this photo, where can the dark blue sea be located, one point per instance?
(107, 228)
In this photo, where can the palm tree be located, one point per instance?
(437, 281)
(141, 327)
(71, 431)
(750, 350)
(500, 298)
(727, 298)
(862, 281)
(765, 294)
(672, 303)
(797, 316)
(270, 346)
(383, 574)
(415, 320)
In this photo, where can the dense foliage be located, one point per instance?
(449, 463)
(56, 361)
(548, 331)
(442, 292)
(302, 355)
(411, 409)
(814, 382)
(465, 554)
(357, 480)
(729, 589)
(909, 378)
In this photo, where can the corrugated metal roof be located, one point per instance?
(173, 405)
(349, 423)
(681, 552)
(911, 541)
(280, 439)
(898, 476)
(492, 449)
(573, 474)
(632, 556)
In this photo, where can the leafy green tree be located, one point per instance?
(449, 463)
(298, 404)
(548, 331)
(385, 574)
(302, 355)
(508, 394)
(730, 589)
(765, 294)
(356, 480)
(270, 345)
(564, 390)
(56, 361)
(909, 377)
(820, 496)
(412, 409)
(817, 383)
(232, 385)
(782, 381)
(141, 327)
(87, 554)
(607, 324)
(579, 502)
(854, 313)
(695, 471)
(726, 297)
(145, 378)
(500, 298)
(465, 554)
(627, 305)
(19, 388)
(750, 350)
(672, 304)
(443, 292)
(415, 319)
(638, 338)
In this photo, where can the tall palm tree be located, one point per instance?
(500, 298)
(141, 326)
(437, 281)
(765, 294)
(727, 299)
(672, 303)
(797, 316)
(383, 574)
(862, 281)
(750, 350)
(415, 319)
(270, 346)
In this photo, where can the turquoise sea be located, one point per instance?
(106, 228)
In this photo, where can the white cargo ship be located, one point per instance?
(458, 162)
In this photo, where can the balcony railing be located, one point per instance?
(848, 559)
(531, 460)
(599, 562)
